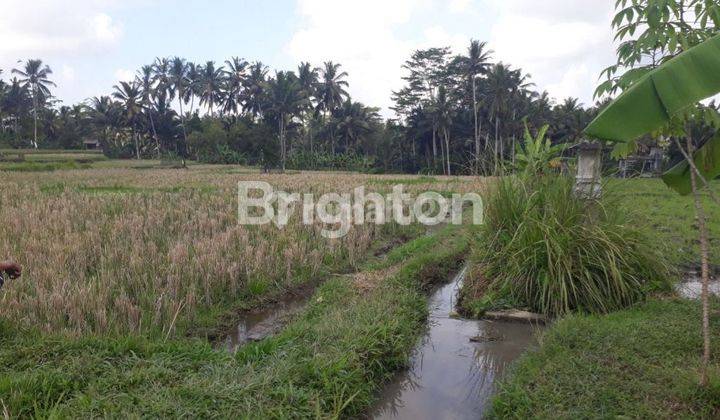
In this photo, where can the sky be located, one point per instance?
(92, 44)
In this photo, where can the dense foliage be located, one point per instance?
(457, 114)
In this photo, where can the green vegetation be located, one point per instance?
(329, 362)
(669, 218)
(544, 249)
(30, 160)
(31, 166)
(642, 362)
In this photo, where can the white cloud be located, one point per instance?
(459, 6)
(124, 75)
(103, 29)
(53, 28)
(437, 36)
(67, 73)
(360, 36)
(363, 37)
(563, 44)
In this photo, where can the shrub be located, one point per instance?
(547, 250)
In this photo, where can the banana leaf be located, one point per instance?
(664, 92)
(707, 161)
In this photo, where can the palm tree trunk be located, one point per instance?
(137, 146)
(152, 125)
(702, 227)
(282, 141)
(477, 130)
(35, 106)
(182, 117)
(497, 142)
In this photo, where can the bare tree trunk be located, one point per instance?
(447, 149)
(434, 147)
(702, 227)
(442, 157)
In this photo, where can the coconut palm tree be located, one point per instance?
(179, 85)
(161, 69)
(353, 120)
(144, 80)
(308, 80)
(444, 113)
(331, 91)
(130, 98)
(16, 101)
(193, 81)
(210, 85)
(285, 99)
(475, 63)
(102, 113)
(503, 86)
(234, 79)
(254, 89)
(35, 77)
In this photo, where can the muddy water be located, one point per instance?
(256, 325)
(450, 376)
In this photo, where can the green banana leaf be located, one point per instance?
(707, 160)
(664, 92)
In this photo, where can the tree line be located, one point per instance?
(456, 114)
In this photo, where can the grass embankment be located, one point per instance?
(331, 361)
(642, 362)
(670, 218)
(31, 160)
(544, 249)
(637, 363)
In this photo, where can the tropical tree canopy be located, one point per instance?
(653, 100)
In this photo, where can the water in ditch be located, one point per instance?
(691, 286)
(454, 368)
(257, 325)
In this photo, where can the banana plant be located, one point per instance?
(662, 102)
(537, 155)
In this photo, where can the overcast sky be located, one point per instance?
(91, 44)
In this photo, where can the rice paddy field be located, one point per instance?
(134, 272)
(112, 250)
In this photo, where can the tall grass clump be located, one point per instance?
(547, 250)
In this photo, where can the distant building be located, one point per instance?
(648, 162)
(92, 145)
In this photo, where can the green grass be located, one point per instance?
(642, 362)
(405, 181)
(670, 218)
(42, 167)
(545, 249)
(49, 152)
(79, 157)
(329, 362)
